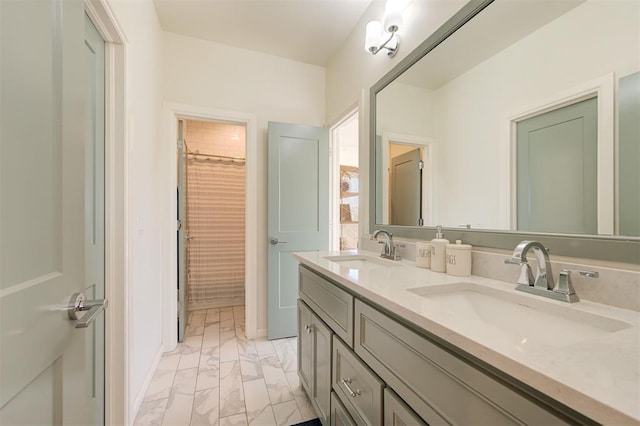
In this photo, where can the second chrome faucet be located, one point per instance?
(542, 284)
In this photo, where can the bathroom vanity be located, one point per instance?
(384, 342)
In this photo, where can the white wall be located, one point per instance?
(211, 75)
(146, 203)
(405, 109)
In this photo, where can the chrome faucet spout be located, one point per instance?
(389, 248)
(544, 276)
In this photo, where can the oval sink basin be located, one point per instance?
(523, 320)
(359, 261)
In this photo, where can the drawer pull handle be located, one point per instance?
(308, 329)
(346, 383)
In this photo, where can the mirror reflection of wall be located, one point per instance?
(512, 62)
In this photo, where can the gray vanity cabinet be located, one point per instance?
(361, 365)
(314, 360)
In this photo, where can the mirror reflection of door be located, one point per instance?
(557, 170)
(405, 188)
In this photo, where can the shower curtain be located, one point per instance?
(216, 221)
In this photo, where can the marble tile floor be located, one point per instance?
(218, 377)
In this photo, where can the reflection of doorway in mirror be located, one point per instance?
(601, 90)
(345, 187)
(414, 181)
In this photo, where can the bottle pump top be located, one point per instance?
(439, 234)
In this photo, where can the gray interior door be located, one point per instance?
(405, 189)
(298, 217)
(183, 307)
(557, 170)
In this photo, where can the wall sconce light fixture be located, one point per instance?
(383, 35)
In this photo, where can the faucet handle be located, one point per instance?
(564, 284)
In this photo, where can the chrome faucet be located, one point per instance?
(544, 277)
(389, 248)
(543, 284)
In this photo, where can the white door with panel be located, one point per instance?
(298, 218)
(51, 214)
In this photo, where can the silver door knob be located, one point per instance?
(84, 311)
(275, 241)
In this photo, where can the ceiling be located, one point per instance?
(308, 31)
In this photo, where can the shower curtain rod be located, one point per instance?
(221, 157)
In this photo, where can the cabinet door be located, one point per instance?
(322, 369)
(305, 346)
(339, 415)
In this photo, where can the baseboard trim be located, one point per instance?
(137, 402)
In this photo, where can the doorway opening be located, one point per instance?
(345, 188)
(212, 215)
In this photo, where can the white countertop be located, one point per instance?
(598, 377)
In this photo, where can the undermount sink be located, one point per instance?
(359, 261)
(522, 319)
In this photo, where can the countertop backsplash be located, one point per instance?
(618, 284)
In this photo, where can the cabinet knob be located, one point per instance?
(308, 329)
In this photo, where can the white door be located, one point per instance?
(47, 373)
(298, 198)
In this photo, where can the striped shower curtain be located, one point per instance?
(215, 221)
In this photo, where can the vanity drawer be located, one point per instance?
(357, 386)
(397, 413)
(439, 386)
(339, 415)
(332, 304)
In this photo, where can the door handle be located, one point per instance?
(275, 241)
(84, 311)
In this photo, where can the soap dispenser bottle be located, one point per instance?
(438, 252)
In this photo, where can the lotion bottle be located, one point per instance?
(439, 252)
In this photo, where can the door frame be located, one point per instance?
(427, 157)
(352, 113)
(602, 88)
(171, 113)
(117, 407)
